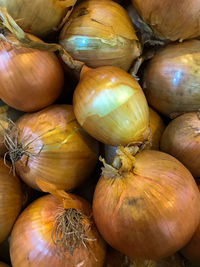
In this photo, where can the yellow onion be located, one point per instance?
(191, 250)
(100, 33)
(10, 200)
(30, 79)
(51, 145)
(172, 79)
(141, 204)
(45, 236)
(110, 105)
(38, 17)
(181, 139)
(157, 127)
(3, 264)
(174, 20)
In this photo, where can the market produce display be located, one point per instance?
(99, 133)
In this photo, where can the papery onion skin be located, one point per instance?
(10, 200)
(30, 79)
(174, 20)
(142, 212)
(181, 139)
(100, 33)
(37, 17)
(110, 105)
(31, 240)
(191, 250)
(171, 80)
(63, 153)
(157, 127)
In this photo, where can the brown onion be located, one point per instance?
(181, 139)
(34, 241)
(140, 207)
(191, 250)
(174, 20)
(10, 200)
(53, 147)
(30, 79)
(38, 17)
(157, 127)
(110, 105)
(172, 80)
(100, 33)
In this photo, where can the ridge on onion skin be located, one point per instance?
(150, 196)
(33, 240)
(181, 139)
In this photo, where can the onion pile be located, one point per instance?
(40, 235)
(174, 20)
(149, 196)
(38, 17)
(100, 33)
(181, 139)
(110, 105)
(30, 79)
(172, 80)
(51, 145)
(10, 200)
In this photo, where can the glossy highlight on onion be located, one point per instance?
(53, 147)
(30, 79)
(140, 206)
(32, 237)
(174, 20)
(181, 139)
(38, 17)
(171, 79)
(110, 105)
(100, 33)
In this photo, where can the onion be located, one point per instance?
(157, 127)
(51, 145)
(110, 105)
(191, 250)
(10, 200)
(42, 235)
(140, 207)
(30, 79)
(38, 17)
(172, 80)
(181, 139)
(3, 264)
(174, 20)
(100, 33)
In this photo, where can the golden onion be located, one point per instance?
(100, 33)
(38, 17)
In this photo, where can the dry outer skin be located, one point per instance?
(174, 20)
(152, 203)
(37, 17)
(172, 78)
(100, 33)
(31, 240)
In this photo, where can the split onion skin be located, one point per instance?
(37, 17)
(30, 79)
(171, 79)
(64, 154)
(181, 139)
(31, 241)
(10, 200)
(151, 202)
(100, 33)
(174, 20)
(110, 105)
(157, 127)
(191, 250)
